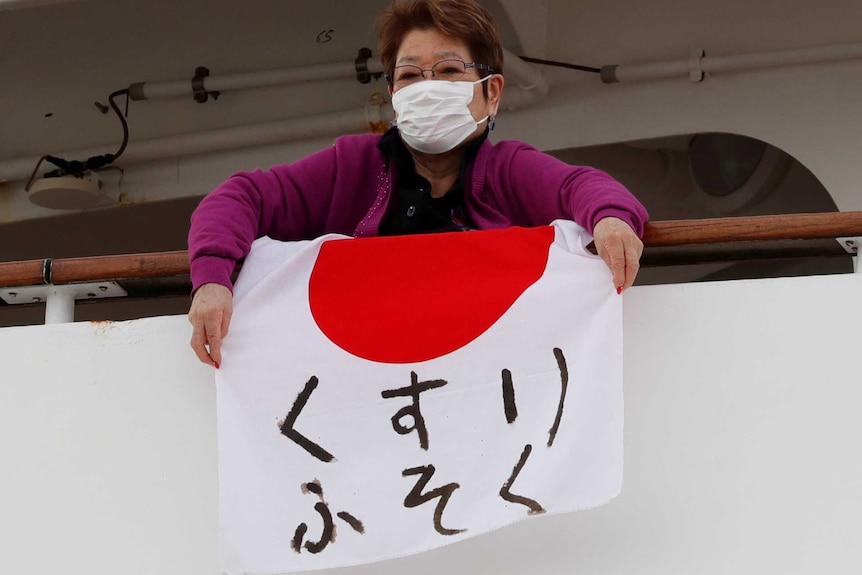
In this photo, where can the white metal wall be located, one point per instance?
(742, 429)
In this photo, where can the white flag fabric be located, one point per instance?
(380, 397)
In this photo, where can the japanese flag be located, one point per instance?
(384, 396)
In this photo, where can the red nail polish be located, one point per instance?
(619, 289)
(216, 364)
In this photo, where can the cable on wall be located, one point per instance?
(76, 167)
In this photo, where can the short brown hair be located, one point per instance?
(464, 20)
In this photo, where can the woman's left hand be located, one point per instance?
(621, 249)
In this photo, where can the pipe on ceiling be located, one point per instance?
(698, 65)
(521, 73)
(250, 80)
(21, 4)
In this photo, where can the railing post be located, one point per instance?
(60, 305)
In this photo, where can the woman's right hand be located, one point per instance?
(209, 315)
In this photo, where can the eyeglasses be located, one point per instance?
(451, 70)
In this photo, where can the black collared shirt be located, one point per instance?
(413, 210)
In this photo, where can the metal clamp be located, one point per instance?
(363, 75)
(199, 91)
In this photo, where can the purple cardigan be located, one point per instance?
(346, 189)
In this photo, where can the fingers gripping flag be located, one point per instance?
(384, 396)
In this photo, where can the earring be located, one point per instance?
(493, 123)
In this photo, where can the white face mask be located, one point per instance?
(434, 115)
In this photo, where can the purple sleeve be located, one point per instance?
(541, 188)
(286, 202)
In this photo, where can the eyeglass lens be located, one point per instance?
(451, 70)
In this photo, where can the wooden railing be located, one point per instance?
(666, 242)
(754, 228)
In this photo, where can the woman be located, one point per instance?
(434, 171)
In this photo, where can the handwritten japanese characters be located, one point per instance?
(327, 535)
(419, 494)
(413, 411)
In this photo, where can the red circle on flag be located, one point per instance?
(409, 299)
